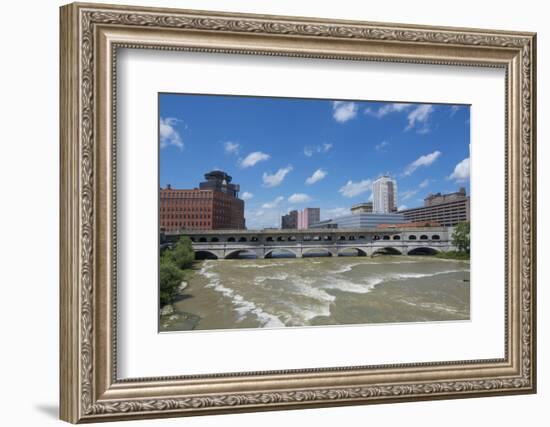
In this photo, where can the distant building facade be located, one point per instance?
(361, 220)
(384, 193)
(215, 205)
(290, 220)
(420, 224)
(327, 223)
(445, 209)
(308, 217)
(365, 207)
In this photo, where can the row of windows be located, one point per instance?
(184, 216)
(185, 194)
(186, 209)
(313, 238)
(175, 225)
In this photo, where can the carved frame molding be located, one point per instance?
(90, 36)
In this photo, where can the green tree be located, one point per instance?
(461, 237)
(182, 254)
(170, 279)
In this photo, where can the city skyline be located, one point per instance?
(291, 154)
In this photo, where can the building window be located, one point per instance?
(423, 237)
(412, 237)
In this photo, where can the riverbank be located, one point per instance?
(170, 316)
(461, 256)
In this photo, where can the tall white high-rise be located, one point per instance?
(384, 195)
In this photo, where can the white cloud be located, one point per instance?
(352, 189)
(231, 147)
(405, 195)
(299, 198)
(381, 146)
(417, 117)
(247, 195)
(462, 171)
(168, 134)
(425, 160)
(386, 109)
(253, 158)
(262, 218)
(311, 150)
(420, 116)
(424, 183)
(455, 109)
(317, 176)
(401, 207)
(344, 111)
(274, 203)
(308, 151)
(334, 213)
(277, 178)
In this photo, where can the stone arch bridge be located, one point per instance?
(228, 244)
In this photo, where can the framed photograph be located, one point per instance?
(265, 212)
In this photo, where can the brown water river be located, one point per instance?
(265, 293)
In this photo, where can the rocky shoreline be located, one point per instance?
(172, 319)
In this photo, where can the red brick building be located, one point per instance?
(215, 205)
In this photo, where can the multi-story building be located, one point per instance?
(365, 207)
(215, 205)
(361, 220)
(384, 193)
(290, 220)
(307, 217)
(445, 209)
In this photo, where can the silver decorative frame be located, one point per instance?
(90, 36)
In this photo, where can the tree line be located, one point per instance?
(174, 268)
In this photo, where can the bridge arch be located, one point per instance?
(289, 252)
(397, 237)
(314, 252)
(237, 254)
(205, 255)
(388, 250)
(356, 252)
(423, 250)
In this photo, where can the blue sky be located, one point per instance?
(295, 153)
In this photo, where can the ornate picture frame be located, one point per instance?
(90, 388)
